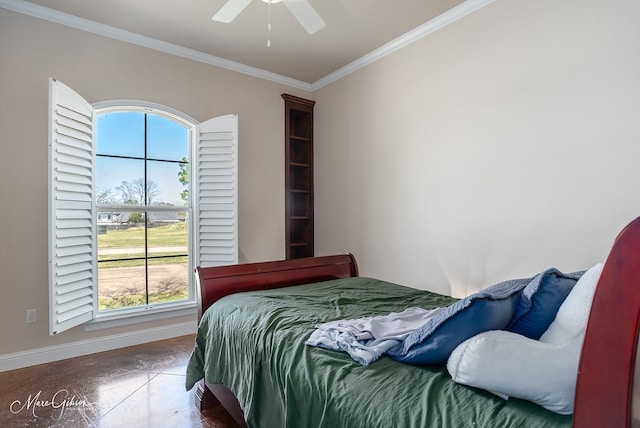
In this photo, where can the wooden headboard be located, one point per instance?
(215, 283)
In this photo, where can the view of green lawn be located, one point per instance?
(121, 282)
(167, 235)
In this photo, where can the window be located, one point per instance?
(143, 204)
(135, 190)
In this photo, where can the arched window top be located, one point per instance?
(149, 107)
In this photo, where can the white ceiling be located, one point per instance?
(354, 28)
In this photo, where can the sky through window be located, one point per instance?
(121, 135)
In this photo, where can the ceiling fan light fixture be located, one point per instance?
(300, 9)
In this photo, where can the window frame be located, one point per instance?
(151, 311)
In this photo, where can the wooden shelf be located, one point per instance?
(299, 229)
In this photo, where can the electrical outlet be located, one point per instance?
(32, 315)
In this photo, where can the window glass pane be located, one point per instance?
(120, 235)
(166, 139)
(168, 278)
(122, 285)
(120, 133)
(121, 265)
(167, 189)
(119, 181)
(167, 234)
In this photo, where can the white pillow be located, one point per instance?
(509, 364)
(543, 371)
(573, 314)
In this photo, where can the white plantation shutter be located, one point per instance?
(215, 167)
(72, 246)
(73, 243)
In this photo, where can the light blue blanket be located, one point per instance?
(366, 339)
(363, 352)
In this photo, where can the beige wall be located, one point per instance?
(503, 144)
(100, 69)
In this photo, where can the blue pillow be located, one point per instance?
(489, 309)
(540, 301)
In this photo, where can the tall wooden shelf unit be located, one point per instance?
(298, 131)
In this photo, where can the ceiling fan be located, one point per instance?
(300, 9)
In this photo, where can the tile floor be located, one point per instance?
(139, 386)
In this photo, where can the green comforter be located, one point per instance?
(253, 343)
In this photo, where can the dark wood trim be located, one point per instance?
(298, 100)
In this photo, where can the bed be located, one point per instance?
(250, 354)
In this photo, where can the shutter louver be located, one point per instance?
(216, 184)
(72, 265)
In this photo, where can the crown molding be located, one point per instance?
(440, 21)
(417, 33)
(78, 23)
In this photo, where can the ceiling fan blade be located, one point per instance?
(230, 10)
(306, 14)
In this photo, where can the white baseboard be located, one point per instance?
(48, 354)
